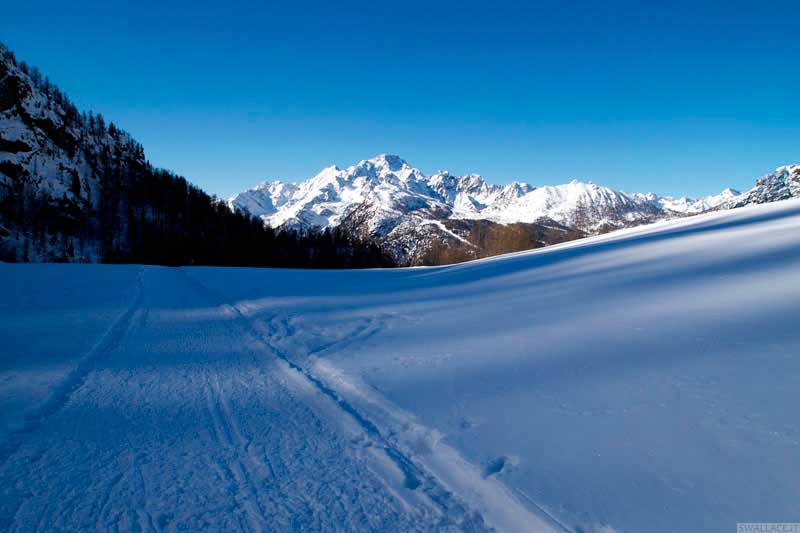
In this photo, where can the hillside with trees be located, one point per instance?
(75, 187)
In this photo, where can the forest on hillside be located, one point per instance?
(77, 188)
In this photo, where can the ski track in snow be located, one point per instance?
(172, 423)
(61, 392)
(460, 398)
(400, 433)
(119, 465)
(614, 383)
(455, 512)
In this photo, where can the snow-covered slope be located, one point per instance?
(403, 209)
(643, 380)
(634, 381)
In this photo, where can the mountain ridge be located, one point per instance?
(75, 188)
(395, 202)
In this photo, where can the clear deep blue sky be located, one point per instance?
(674, 97)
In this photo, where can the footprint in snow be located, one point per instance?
(500, 465)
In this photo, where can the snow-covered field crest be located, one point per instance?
(643, 380)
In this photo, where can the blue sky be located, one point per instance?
(677, 98)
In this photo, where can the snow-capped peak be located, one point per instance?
(381, 165)
(389, 193)
(265, 198)
(792, 169)
(391, 162)
(394, 189)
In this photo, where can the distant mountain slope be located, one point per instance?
(782, 184)
(423, 219)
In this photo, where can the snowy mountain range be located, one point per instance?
(74, 188)
(395, 204)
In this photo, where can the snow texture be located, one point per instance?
(643, 380)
